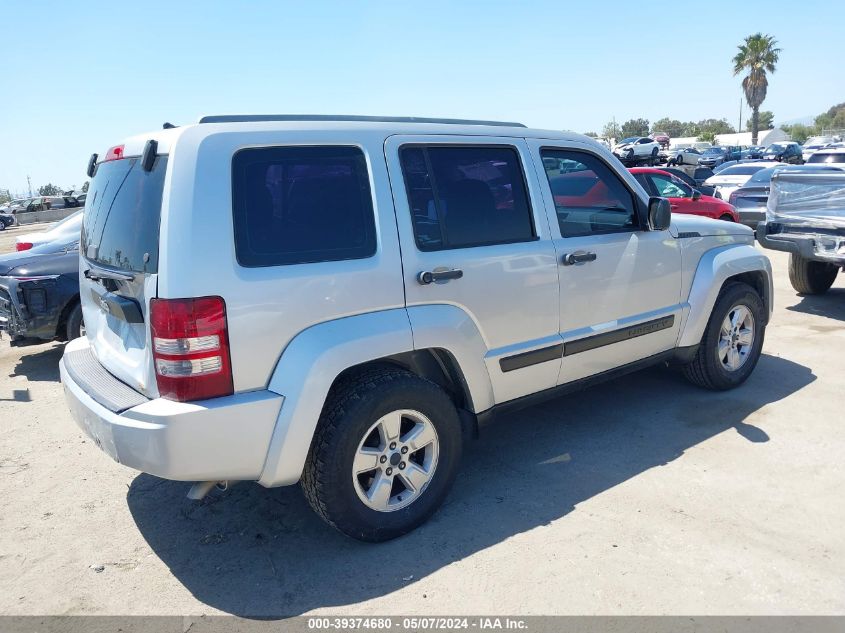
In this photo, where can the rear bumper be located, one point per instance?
(218, 439)
(817, 247)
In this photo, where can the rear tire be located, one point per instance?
(73, 327)
(354, 428)
(810, 277)
(680, 159)
(723, 361)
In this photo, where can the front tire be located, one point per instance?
(732, 341)
(810, 277)
(384, 455)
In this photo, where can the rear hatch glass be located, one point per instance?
(122, 215)
(120, 233)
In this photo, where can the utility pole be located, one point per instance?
(29, 185)
(739, 129)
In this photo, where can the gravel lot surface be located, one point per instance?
(641, 496)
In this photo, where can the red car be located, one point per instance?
(682, 197)
(662, 138)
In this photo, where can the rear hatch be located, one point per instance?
(119, 265)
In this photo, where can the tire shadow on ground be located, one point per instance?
(255, 552)
(830, 304)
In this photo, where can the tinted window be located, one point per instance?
(668, 187)
(296, 205)
(741, 170)
(590, 200)
(121, 221)
(466, 196)
(820, 157)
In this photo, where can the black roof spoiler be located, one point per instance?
(251, 118)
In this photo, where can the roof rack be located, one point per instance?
(251, 118)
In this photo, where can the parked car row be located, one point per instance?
(41, 203)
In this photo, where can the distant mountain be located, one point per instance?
(804, 120)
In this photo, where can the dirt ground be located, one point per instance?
(641, 496)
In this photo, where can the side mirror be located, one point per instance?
(659, 214)
(696, 194)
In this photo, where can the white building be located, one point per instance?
(764, 138)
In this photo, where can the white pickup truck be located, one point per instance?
(805, 217)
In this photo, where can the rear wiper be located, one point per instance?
(96, 273)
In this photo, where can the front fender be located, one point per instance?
(714, 268)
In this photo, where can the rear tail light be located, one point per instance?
(191, 348)
(732, 198)
(23, 246)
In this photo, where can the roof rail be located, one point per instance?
(250, 118)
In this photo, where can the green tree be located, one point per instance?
(799, 132)
(611, 129)
(708, 137)
(49, 190)
(672, 127)
(714, 126)
(635, 127)
(590, 134)
(767, 121)
(757, 55)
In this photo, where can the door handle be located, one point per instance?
(426, 277)
(578, 257)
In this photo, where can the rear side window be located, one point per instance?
(296, 205)
(462, 197)
(121, 222)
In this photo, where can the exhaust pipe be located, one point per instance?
(201, 488)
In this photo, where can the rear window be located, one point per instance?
(121, 222)
(742, 170)
(296, 205)
(820, 157)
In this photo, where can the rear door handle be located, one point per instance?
(578, 257)
(426, 277)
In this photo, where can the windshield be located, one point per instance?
(122, 216)
(741, 170)
(714, 150)
(631, 139)
(775, 149)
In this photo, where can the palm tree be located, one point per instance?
(758, 55)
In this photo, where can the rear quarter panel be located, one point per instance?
(266, 307)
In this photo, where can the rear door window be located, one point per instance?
(120, 228)
(462, 197)
(295, 205)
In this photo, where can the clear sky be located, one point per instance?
(80, 76)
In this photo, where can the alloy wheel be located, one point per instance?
(736, 338)
(395, 461)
